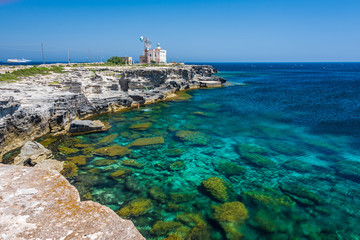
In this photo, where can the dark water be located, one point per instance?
(276, 158)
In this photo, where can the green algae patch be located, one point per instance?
(173, 237)
(199, 228)
(67, 151)
(193, 137)
(132, 163)
(104, 162)
(269, 198)
(158, 194)
(243, 149)
(69, 170)
(217, 188)
(174, 152)
(147, 141)
(181, 96)
(121, 173)
(230, 169)
(112, 151)
(140, 126)
(161, 228)
(78, 160)
(231, 216)
(108, 139)
(136, 208)
(46, 142)
(83, 145)
(88, 150)
(181, 197)
(258, 160)
(177, 166)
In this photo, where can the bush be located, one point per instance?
(116, 60)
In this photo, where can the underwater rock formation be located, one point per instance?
(230, 216)
(42, 204)
(137, 207)
(217, 188)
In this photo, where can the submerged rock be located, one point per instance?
(230, 169)
(31, 154)
(161, 228)
(104, 162)
(147, 141)
(217, 188)
(41, 204)
(136, 208)
(231, 216)
(193, 137)
(69, 170)
(131, 163)
(78, 160)
(121, 173)
(348, 169)
(177, 166)
(112, 151)
(108, 139)
(243, 149)
(157, 194)
(140, 126)
(258, 160)
(301, 194)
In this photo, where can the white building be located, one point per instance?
(157, 55)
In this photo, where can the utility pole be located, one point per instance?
(42, 49)
(68, 57)
(89, 55)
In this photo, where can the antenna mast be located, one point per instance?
(68, 57)
(42, 50)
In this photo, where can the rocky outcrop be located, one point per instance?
(41, 204)
(38, 105)
(85, 126)
(35, 154)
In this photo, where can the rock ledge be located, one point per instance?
(42, 204)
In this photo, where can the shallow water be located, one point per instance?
(285, 144)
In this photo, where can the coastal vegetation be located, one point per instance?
(27, 72)
(116, 61)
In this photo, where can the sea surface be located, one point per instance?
(274, 154)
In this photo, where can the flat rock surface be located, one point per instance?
(41, 204)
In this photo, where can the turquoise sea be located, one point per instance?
(275, 154)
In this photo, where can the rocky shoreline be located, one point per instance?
(40, 203)
(38, 105)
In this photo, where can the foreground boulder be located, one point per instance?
(35, 154)
(41, 204)
(85, 126)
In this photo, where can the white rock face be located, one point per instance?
(41, 204)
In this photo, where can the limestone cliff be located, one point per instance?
(38, 105)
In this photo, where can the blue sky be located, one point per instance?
(197, 30)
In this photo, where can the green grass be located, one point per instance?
(15, 75)
(54, 82)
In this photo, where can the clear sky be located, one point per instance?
(190, 30)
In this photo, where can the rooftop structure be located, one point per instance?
(157, 55)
